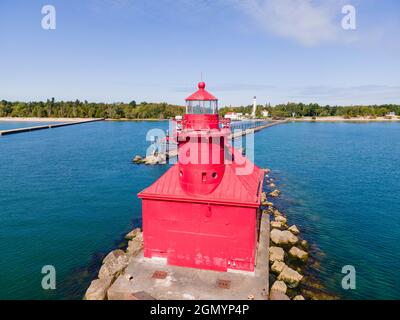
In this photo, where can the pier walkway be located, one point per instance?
(47, 126)
(259, 125)
(239, 129)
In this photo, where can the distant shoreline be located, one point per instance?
(37, 119)
(45, 119)
(341, 119)
(304, 119)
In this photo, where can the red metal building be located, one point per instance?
(204, 211)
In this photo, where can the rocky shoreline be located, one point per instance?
(114, 265)
(289, 255)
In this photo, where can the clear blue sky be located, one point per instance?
(155, 50)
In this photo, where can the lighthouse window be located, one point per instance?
(202, 107)
(204, 176)
(214, 175)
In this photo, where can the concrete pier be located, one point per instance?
(256, 129)
(138, 281)
(47, 126)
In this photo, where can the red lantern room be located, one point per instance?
(204, 211)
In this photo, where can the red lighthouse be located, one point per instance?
(204, 211)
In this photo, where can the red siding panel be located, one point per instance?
(200, 235)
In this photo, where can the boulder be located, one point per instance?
(270, 209)
(279, 286)
(278, 266)
(98, 289)
(113, 255)
(276, 254)
(137, 159)
(283, 237)
(281, 219)
(155, 159)
(276, 224)
(132, 234)
(275, 193)
(318, 295)
(293, 229)
(263, 197)
(299, 297)
(291, 277)
(304, 244)
(150, 160)
(277, 295)
(135, 245)
(113, 264)
(292, 239)
(267, 203)
(272, 185)
(277, 213)
(298, 254)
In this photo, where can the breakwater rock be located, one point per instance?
(150, 159)
(114, 265)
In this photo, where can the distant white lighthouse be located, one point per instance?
(253, 114)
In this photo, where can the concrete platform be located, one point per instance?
(179, 283)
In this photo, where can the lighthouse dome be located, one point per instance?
(202, 94)
(201, 102)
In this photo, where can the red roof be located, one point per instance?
(234, 189)
(201, 94)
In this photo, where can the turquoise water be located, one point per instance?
(341, 185)
(7, 125)
(68, 195)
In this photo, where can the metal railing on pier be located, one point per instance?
(247, 124)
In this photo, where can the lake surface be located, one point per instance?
(68, 195)
(341, 185)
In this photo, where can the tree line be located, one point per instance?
(85, 109)
(316, 110)
(144, 110)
